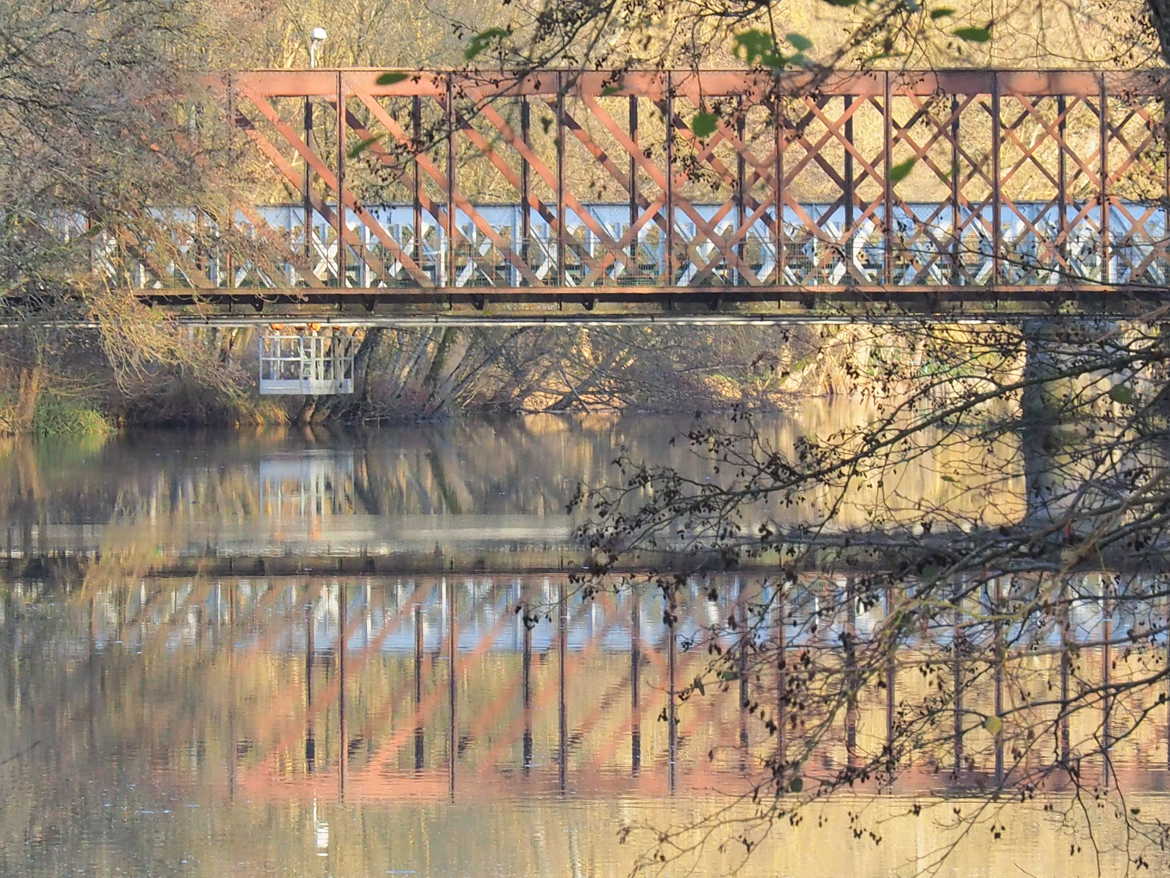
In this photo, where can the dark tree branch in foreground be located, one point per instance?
(1049, 442)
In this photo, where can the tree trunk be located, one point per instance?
(361, 366)
(305, 415)
(30, 381)
(1160, 18)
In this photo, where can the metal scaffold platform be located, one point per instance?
(312, 362)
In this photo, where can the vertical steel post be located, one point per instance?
(229, 257)
(1160, 131)
(778, 192)
(888, 186)
(342, 271)
(560, 145)
(633, 184)
(307, 201)
(669, 148)
(996, 185)
(740, 130)
(850, 262)
(525, 183)
(416, 132)
(1103, 144)
(956, 216)
(450, 261)
(1062, 179)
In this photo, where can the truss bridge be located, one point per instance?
(576, 195)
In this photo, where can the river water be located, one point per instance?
(299, 653)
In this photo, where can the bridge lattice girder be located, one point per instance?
(482, 187)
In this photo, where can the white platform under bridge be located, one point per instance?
(307, 361)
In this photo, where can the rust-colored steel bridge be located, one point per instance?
(581, 194)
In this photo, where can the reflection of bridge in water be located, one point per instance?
(434, 687)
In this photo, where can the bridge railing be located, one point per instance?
(571, 180)
(1136, 255)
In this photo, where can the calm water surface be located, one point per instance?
(298, 653)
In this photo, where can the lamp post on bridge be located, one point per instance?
(316, 37)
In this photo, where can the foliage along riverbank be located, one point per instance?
(413, 374)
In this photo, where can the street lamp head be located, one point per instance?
(316, 37)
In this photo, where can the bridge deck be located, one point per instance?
(671, 305)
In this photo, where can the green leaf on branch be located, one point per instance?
(751, 45)
(799, 41)
(841, 2)
(993, 724)
(796, 784)
(610, 91)
(757, 47)
(483, 40)
(941, 12)
(359, 148)
(1121, 393)
(391, 78)
(901, 170)
(973, 34)
(703, 124)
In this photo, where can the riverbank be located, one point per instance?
(412, 375)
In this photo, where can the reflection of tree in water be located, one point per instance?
(173, 493)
